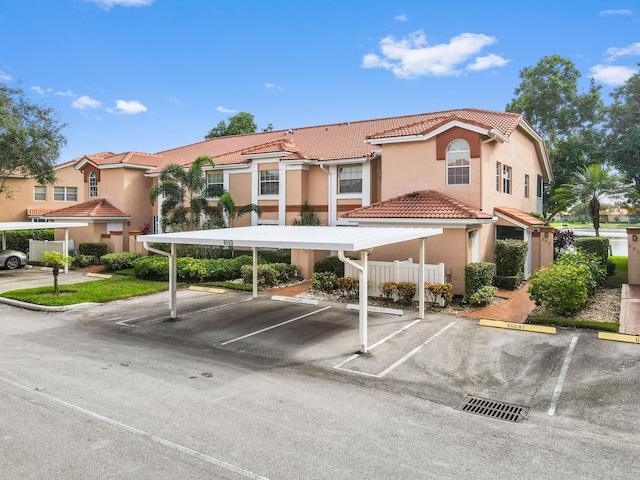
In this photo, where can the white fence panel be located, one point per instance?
(38, 247)
(381, 272)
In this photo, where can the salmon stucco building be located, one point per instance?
(477, 174)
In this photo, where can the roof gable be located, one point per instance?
(426, 204)
(96, 209)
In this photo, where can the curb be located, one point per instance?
(45, 308)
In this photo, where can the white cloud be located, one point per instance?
(412, 56)
(614, 52)
(175, 101)
(66, 93)
(85, 102)
(271, 86)
(605, 13)
(401, 18)
(40, 91)
(611, 74)
(108, 4)
(487, 62)
(4, 77)
(132, 107)
(221, 109)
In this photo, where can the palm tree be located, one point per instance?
(231, 212)
(308, 216)
(56, 261)
(185, 193)
(590, 186)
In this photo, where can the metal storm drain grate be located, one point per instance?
(493, 409)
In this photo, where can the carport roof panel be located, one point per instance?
(11, 226)
(349, 239)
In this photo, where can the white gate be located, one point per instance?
(397, 271)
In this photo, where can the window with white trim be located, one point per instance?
(215, 184)
(269, 182)
(526, 186)
(506, 179)
(350, 179)
(539, 186)
(65, 194)
(93, 185)
(40, 193)
(498, 176)
(458, 163)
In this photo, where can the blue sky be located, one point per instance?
(150, 75)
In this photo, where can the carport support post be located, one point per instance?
(421, 281)
(173, 280)
(255, 271)
(363, 273)
(65, 247)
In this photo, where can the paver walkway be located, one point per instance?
(515, 310)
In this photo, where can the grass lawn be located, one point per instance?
(99, 291)
(124, 285)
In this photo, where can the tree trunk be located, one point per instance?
(56, 270)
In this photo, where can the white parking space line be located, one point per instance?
(398, 362)
(215, 307)
(275, 326)
(141, 433)
(563, 375)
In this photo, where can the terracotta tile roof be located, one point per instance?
(331, 142)
(428, 204)
(92, 209)
(126, 158)
(36, 212)
(424, 127)
(519, 216)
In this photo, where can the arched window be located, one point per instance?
(458, 163)
(93, 185)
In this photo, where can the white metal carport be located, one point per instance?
(12, 226)
(342, 239)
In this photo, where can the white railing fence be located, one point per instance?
(397, 271)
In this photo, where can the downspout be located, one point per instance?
(492, 138)
(173, 275)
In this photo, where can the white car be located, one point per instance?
(12, 259)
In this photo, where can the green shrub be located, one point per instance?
(389, 290)
(330, 264)
(83, 261)
(509, 282)
(596, 245)
(349, 287)
(482, 296)
(478, 275)
(95, 249)
(435, 290)
(118, 261)
(561, 288)
(406, 292)
(611, 267)
(153, 267)
(19, 239)
(324, 281)
(511, 255)
(267, 275)
(282, 255)
(596, 274)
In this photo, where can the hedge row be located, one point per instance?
(19, 239)
(189, 269)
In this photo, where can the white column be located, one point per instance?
(364, 279)
(65, 250)
(282, 194)
(255, 271)
(173, 280)
(421, 281)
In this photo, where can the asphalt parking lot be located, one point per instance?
(288, 381)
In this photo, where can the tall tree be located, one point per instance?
(591, 186)
(623, 129)
(569, 121)
(241, 123)
(30, 138)
(185, 195)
